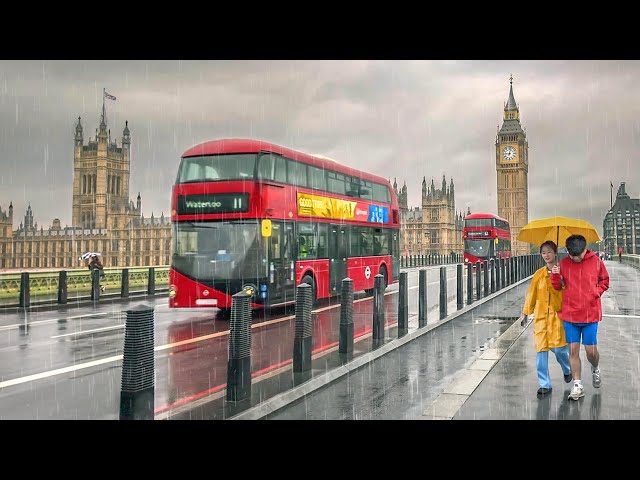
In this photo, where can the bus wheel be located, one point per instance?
(224, 313)
(383, 272)
(308, 279)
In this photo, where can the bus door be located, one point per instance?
(337, 256)
(281, 264)
(395, 254)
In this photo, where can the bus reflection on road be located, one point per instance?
(197, 365)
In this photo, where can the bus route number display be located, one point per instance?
(213, 203)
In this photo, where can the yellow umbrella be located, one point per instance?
(556, 229)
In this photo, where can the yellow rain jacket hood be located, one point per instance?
(544, 301)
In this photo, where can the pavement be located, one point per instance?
(481, 365)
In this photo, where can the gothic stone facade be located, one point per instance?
(512, 168)
(104, 219)
(433, 228)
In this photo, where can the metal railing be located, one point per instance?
(44, 287)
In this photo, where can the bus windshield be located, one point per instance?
(211, 168)
(478, 222)
(479, 248)
(217, 250)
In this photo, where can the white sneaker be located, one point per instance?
(577, 391)
(595, 376)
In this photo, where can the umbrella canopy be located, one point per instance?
(88, 255)
(556, 229)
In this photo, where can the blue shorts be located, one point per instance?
(588, 331)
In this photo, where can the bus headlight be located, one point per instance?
(172, 291)
(249, 289)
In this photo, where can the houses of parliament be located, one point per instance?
(104, 219)
(436, 228)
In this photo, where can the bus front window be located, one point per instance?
(479, 248)
(212, 168)
(218, 250)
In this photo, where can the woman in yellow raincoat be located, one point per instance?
(544, 301)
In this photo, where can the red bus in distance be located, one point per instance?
(249, 215)
(485, 236)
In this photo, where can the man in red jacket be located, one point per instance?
(585, 279)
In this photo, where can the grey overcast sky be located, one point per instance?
(399, 119)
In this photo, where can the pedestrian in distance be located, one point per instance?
(544, 302)
(95, 264)
(583, 278)
(620, 254)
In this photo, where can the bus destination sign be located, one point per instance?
(213, 203)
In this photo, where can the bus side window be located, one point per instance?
(307, 241)
(354, 242)
(322, 240)
(266, 167)
(275, 241)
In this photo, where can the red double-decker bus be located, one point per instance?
(486, 236)
(250, 215)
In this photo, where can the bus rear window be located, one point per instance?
(211, 168)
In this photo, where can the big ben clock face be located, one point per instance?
(509, 153)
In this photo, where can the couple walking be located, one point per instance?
(564, 299)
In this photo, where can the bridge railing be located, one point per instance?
(43, 286)
(408, 261)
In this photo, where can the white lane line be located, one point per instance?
(103, 329)
(620, 316)
(52, 320)
(60, 371)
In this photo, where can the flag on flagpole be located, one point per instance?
(109, 96)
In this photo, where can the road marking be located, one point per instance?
(60, 371)
(113, 327)
(620, 316)
(51, 320)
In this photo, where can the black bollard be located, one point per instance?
(25, 291)
(303, 337)
(137, 395)
(124, 287)
(459, 286)
(378, 309)
(469, 283)
(62, 287)
(422, 298)
(503, 272)
(486, 278)
(151, 284)
(493, 275)
(478, 280)
(403, 305)
(239, 364)
(95, 284)
(443, 292)
(346, 317)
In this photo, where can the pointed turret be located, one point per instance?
(139, 202)
(424, 187)
(78, 136)
(11, 211)
(126, 135)
(28, 218)
(511, 102)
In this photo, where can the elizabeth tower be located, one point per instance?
(512, 166)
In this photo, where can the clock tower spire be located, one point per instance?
(512, 168)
